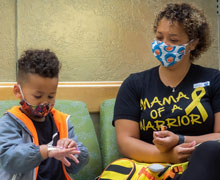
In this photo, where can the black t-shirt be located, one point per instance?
(50, 168)
(189, 110)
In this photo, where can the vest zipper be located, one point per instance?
(14, 177)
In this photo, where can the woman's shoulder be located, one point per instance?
(203, 69)
(208, 74)
(136, 81)
(205, 75)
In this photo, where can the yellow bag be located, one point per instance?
(127, 169)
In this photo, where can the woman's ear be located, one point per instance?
(17, 91)
(194, 43)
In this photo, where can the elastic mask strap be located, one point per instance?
(187, 45)
(188, 42)
(21, 91)
(24, 98)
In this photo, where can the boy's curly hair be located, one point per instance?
(41, 62)
(193, 21)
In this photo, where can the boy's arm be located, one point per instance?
(17, 154)
(83, 156)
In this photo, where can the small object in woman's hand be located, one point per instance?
(163, 128)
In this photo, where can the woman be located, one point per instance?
(177, 94)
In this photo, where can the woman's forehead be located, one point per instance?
(170, 27)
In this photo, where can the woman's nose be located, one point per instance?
(166, 41)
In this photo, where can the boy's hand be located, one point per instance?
(66, 148)
(165, 140)
(63, 154)
(66, 143)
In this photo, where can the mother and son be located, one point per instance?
(38, 142)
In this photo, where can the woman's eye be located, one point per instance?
(174, 40)
(159, 38)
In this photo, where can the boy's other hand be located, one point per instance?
(63, 153)
(66, 143)
(66, 148)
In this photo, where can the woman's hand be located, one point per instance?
(165, 140)
(66, 148)
(181, 153)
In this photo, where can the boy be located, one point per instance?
(36, 140)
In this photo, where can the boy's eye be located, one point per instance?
(50, 97)
(37, 97)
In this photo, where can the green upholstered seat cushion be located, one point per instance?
(108, 142)
(84, 130)
(7, 104)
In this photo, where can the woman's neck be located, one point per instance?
(172, 76)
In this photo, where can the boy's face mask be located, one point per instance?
(168, 55)
(37, 111)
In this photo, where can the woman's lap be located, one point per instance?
(203, 163)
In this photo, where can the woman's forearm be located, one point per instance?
(141, 151)
(202, 138)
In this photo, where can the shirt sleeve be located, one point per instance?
(216, 93)
(15, 155)
(127, 105)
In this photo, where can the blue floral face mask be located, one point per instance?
(168, 55)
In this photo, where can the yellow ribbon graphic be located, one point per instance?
(196, 103)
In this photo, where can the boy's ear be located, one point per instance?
(17, 92)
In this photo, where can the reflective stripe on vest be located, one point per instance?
(60, 120)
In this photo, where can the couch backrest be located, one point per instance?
(108, 144)
(93, 93)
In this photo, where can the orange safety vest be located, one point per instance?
(61, 124)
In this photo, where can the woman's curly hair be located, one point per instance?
(193, 21)
(41, 62)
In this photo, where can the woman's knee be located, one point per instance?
(209, 145)
(208, 149)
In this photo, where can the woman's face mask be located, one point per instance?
(168, 55)
(37, 111)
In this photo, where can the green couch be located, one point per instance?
(101, 152)
(84, 129)
(108, 143)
